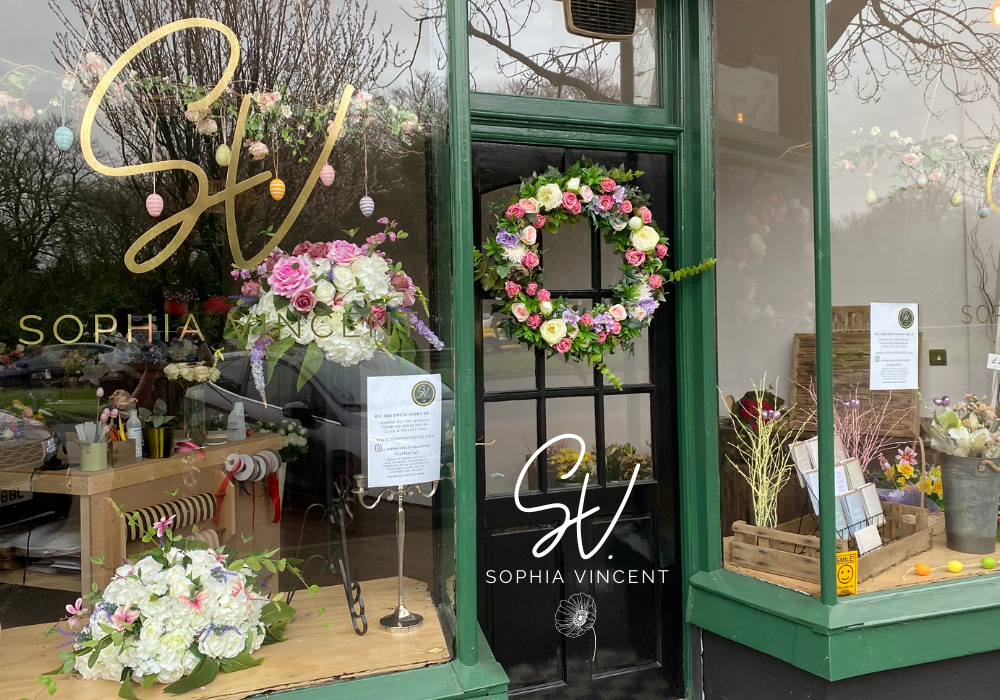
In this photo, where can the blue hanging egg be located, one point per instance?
(984, 211)
(64, 137)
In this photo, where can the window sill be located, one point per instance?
(861, 634)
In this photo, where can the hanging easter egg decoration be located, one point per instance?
(64, 137)
(984, 211)
(367, 205)
(921, 180)
(870, 197)
(277, 188)
(327, 174)
(956, 199)
(223, 155)
(154, 205)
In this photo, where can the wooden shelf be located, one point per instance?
(80, 483)
(61, 581)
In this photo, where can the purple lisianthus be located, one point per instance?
(603, 322)
(570, 316)
(619, 194)
(648, 305)
(595, 205)
(507, 239)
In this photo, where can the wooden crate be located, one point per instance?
(792, 549)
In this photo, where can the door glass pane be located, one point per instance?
(628, 439)
(507, 364)
(631, 369)
(574, 416)
(567, 257)
(524, 48)
(512, 425)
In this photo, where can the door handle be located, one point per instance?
(485, 444)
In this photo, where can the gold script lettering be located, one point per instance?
(187, 218)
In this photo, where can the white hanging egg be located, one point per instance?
(154, 205)
(277, 188)
(984, 211)
(367, 205)
(956, 199)
(64, 137)
(327, 174)
(223, 155)
(921, 181)
(870, 197)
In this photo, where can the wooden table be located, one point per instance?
(134, 486)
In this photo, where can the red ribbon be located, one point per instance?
(272, 488)
(222, 491)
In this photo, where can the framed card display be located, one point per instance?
(872, 504)
(855, 475)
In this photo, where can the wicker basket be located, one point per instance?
(26, 452)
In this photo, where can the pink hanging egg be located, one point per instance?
(367, 205)
(154, 205)
(327, 174)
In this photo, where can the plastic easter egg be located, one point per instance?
(277, 188)
(955, 566)
(988, 562)
(921, 180)
(956, 199)
(367, 205)
(984, 211)
(64, 137)
(154, 205)
(223, 155)
(870, 197)
(922, 569)
(327, 174)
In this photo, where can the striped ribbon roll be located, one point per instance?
(209, 537)
(188, 511)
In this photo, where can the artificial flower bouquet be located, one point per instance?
(338, 300)
(905, 476)
(177, 616)
(190, 373)
(969, 428)
(294, 438)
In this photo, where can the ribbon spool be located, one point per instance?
(261, 467)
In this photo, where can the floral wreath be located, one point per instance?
(509, 264)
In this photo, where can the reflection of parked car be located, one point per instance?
(48, 362)
(332, 406)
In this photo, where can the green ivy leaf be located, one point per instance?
(276, 350)
(310, 365)
(240, 662)
(203, 674)
(126, 688)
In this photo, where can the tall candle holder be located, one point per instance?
(401, 619)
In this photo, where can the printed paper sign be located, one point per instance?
(847, 573)
(404, 430)
(895, 346)
(993, 362)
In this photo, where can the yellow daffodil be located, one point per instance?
(905, 469)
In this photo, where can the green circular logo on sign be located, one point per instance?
(905, 318)
(423, 393)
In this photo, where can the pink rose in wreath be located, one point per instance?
(402, 283)
(544, 295)
(512, 288)
(586, 194)
(608, 185)
(576, 208)
(290, 276)
(618, 312)
(304, 301)
(601, 337)
(563, 346)
(529, 234)
(378, 315)
(530, 260)
(587, 320)
(625, 207)
(569, 199)
(532, 288)
(539, 221)
(515, 211)
(635, 257)
(655, 281)
(616, 328)
(661, 250)
(318, 250)
(530, 206)
(343, 252)
(250, 288)
(607, 202)
(646, 214)
(535, 320)
(302, 248)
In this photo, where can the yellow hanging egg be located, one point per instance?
(955, 566)
(223, 155)
(870, 197)
(956, 199)
(277, 188)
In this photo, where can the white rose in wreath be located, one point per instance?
(545, 307)
(553, 330)
(343, 278)
(324, 291)
(573, 184)
(645, 239)
(529, 234)
(618, 312)
(520, 311)
(635, 223)
(549, 196)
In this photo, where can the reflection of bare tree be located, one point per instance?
(925, 40)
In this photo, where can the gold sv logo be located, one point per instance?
(187, 218)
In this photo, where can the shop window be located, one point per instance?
(526, 48)
(274, 362)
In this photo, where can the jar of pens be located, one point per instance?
(108, 441)
(95, 435)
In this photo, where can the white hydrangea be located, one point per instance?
(372, 273)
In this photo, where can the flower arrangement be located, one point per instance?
(509, 264)
(294, 438)
(191, 372)
(338, 300)
(969, 428)
(177, 616)
(9, 357)
(903, 475)
(620, 460)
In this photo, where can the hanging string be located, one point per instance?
(312, 70)
(79, 58)
(365, 140)
(152, 142)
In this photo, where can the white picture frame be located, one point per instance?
(854, 510)
(855, 474)
(800, 458)
(872, 504)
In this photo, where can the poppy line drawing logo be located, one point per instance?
(576, 616)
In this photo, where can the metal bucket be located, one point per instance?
(971, 488)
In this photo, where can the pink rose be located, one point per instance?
(532, 288)
(607, 202)
(569, 199)
(618, 312)
(343, 252)
(529, 235)
(513, 288)
(530, 260)
(378, 315)
(563, 346)
(539, 221)
(601, 337)
(640, 313)
(250, 288)
(515, 211)
(302, 248)
(530, 206)
(520, 311)
(303, 301)
(587, 320)
(661, 250)
(625, 207)
(608, 185)
(535, 320)
(257, 149)
(575, 209)
(289, 276)
(635, 257)
(616, 328)
(401, 282)
(318, 250)
(543, 295)
(655, 281)
(646, 214)
(586, 194)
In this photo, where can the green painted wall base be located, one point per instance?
(451, 681)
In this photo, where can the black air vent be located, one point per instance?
(605, 19)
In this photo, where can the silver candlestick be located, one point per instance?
(401, 619)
